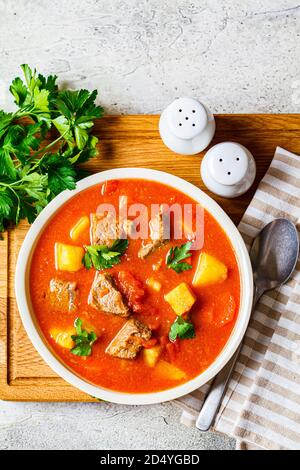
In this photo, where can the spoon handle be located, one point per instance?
(213, 399)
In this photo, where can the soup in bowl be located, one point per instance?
(134, 289)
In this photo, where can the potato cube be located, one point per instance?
(151, 355)
(209, 271)
(181, 298)
(81, 225)
(153, 284)
(68, 257)
(169, 371)
(63, 338)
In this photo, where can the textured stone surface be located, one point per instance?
(99, 426)
(237, 56)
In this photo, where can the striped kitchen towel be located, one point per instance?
(261, 407)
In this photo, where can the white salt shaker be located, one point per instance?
(186, 126)
(228, 169)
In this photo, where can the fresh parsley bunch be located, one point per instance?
(32, 173)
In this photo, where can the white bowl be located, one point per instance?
(33, 331)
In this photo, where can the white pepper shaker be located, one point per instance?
(186, 126)
(228, 169)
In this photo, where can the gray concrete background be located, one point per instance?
(235, 55)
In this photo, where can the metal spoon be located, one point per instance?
(274, 254)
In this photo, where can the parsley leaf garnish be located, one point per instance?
(32, 173)
(83, 340)
(176, 255)
(104, 257)
(181, 329)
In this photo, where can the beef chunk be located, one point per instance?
(148, 248)
(63, 294)
(104, 296)
(104, 229)
(129, 228)
(158, 235)
(128, 341)
(158, 227)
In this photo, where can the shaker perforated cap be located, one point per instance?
(228, 169)
(186, 126)
(228, 163)
(186, 117)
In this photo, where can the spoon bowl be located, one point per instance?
(274, 254)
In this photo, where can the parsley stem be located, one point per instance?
(49, 146)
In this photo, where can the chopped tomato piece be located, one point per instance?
(224, 310)
(150, 343)
(172, 349)
(132, 289)
(109, 187)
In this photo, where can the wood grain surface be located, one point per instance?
(125, 141)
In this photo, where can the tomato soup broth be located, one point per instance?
(213, 313)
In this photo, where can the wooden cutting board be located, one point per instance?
(126, 141)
